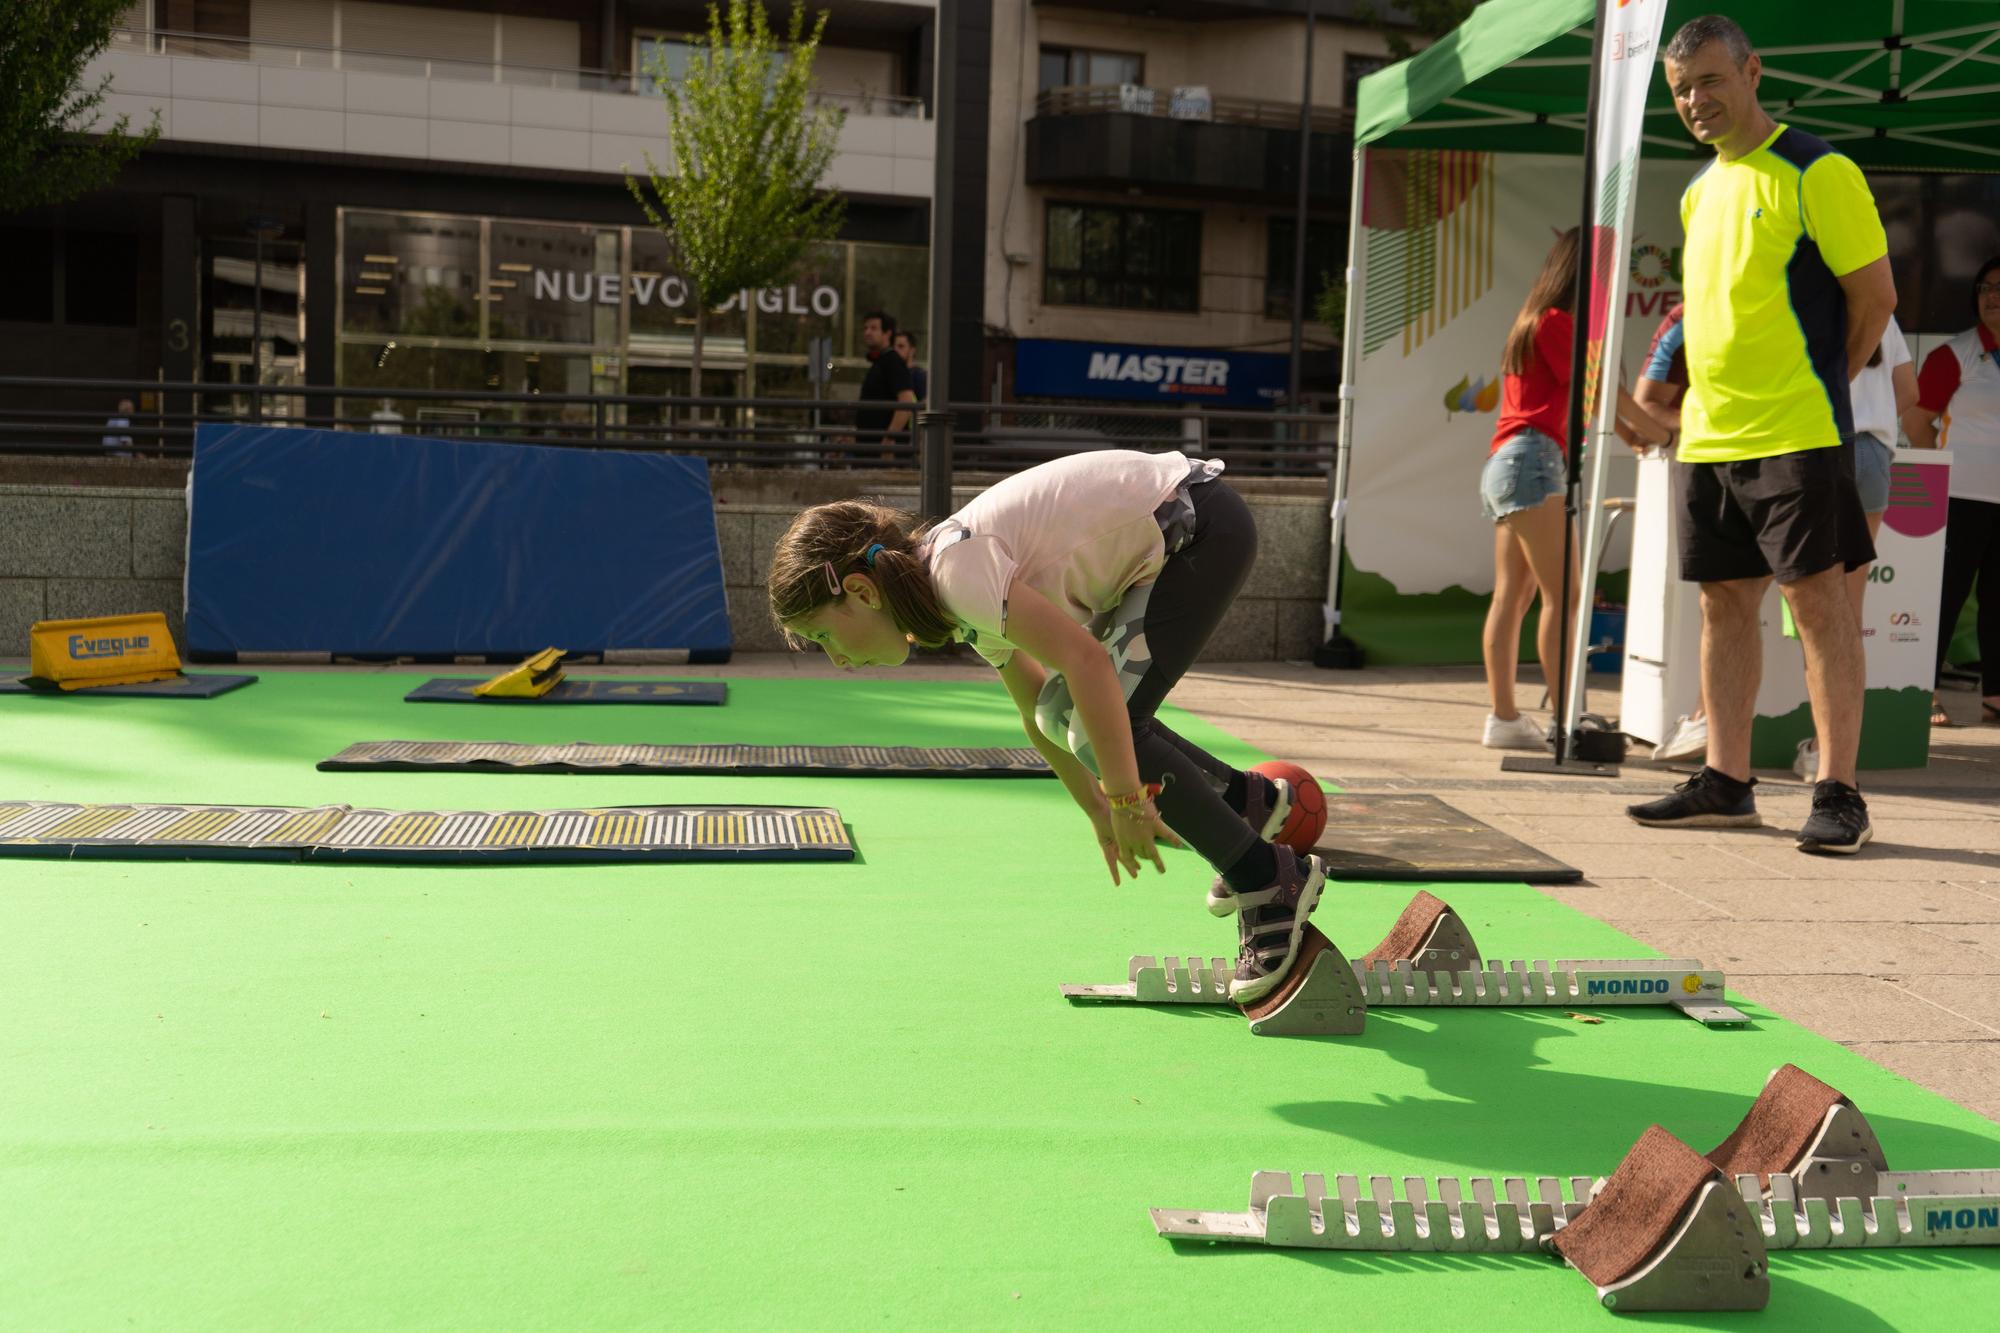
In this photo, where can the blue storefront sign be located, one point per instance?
(1052, 368)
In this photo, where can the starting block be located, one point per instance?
(1671, 1229)
(533, 678)
(1815, 1176)
(101, 651)
(1428, 959)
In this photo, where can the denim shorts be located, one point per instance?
(1520, 474)
(1871, 471)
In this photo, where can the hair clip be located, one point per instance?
(869, 554)
(832, 579)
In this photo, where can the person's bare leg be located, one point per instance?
(1732, 667)
(1836, 671)
(1540, 532)
(1513, 589)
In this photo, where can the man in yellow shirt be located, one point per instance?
(1788, 290)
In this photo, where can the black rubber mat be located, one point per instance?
(199, 686)
(743, 760)
(458, 690)
(1420, 839)
(342, 832)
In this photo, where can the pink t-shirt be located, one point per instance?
(1078, 530)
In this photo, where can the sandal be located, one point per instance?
(1940, 718)
(1989, 714)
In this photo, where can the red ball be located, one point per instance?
(1308, 817)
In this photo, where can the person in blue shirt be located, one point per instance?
(920, 379)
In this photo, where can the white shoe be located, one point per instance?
(1517, 733)
(1687, 740)
(1806, 763)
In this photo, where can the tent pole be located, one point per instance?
(1579, 356)
(1338, 650)
(1299, 218)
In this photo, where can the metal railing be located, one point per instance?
(306, 55)
(1097, 99)
(72, 417)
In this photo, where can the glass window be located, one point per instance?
(662, 59)
(1326, 260)
(1067, 67)
(1131, 258)
(1054, 68)
(809, 306)
(390, 366)
(895, 279)
(661, 309)
(31, 295)
(238, 299)
(553, 283)
(101, 278)
(1112, 67)
(409, 274)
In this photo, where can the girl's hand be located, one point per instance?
(1106, 824)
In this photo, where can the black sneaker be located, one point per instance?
(1272, 920)
(1707, 800)
(1838, 824)
(1267, 803)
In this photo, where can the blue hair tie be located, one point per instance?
(869, 554)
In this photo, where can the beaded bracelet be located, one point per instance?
(1143, 794)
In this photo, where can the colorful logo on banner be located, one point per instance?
(1918, 499)
(1427, 218)
(1470, 395)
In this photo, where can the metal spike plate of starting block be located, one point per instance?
(1908, 1210)
(1682, 983)
(1478, 1215)
(1326, 1000)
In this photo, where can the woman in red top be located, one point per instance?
(1521, 489)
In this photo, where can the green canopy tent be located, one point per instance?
(1894, 84)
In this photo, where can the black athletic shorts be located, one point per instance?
(1788, 516)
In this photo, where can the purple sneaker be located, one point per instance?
(1271, 922)
(1267, 804)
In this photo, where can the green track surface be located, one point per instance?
(770, 1096)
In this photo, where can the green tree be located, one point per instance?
(740, 202)
(47, 118)
(1330, 306)
(1431, 19)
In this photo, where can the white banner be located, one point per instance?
(1628, 42)
(1450, 244)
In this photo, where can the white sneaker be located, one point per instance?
(1806, 763)
(1687, 740)
(1517, 733)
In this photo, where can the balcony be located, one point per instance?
(1183, 142)
(379, 104)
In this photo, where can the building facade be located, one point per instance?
(432, 195)
(1142, 196)
(387, 195)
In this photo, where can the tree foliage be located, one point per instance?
(740, 201)
(51, 146)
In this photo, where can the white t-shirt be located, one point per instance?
(1873, 393)
(1079, 530)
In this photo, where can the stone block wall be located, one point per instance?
(71, 550)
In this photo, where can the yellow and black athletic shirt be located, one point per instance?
(1769, 235)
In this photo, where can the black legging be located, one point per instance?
(1192, 594)
(1972, 553)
